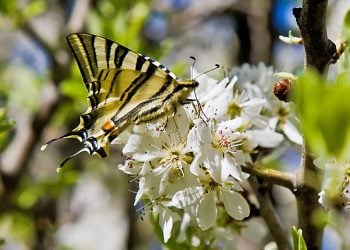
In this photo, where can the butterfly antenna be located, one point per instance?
(200, 110)
(209, 70)
(192, 67)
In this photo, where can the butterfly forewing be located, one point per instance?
(124, 87)
(94, 53)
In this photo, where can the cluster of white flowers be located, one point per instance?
(335, 192)
(188, 168)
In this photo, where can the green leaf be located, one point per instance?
(33, 8)
(344, 61)
(8, 7)
(73, 87)
(325, 114)
(346, 25)
(298, 240)
(28, 197)
(29, 193)
(5, 123)
(2, 241)
(119, 23)
(16, 227)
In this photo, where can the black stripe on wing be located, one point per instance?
(108, 47)
(140, 62)
(111, 86)
(119, 55)
(135, 85)
(82, 48)
(136, 110)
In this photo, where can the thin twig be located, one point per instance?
(288, 180)
(270, 216)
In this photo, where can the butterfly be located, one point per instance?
(124, 87)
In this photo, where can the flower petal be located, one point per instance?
(166, 222)
(185, 222)
(229, 168)
(265, 138)
(186, 197)
(292, 132)
(143, 148)
(235, 205)
(206, 211)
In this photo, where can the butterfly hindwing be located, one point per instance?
(124, 87)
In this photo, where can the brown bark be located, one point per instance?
(319, 50)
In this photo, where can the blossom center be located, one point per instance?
(174, 160)
(234, 109)
(228, 140)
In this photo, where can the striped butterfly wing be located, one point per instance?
(124, 87)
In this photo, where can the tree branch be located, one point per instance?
(319, 51)
(288, 180)
(307, 200)
(270, 216)
(311, 19)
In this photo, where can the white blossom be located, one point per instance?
(336, 185)
(258, 83)
(189, 166)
